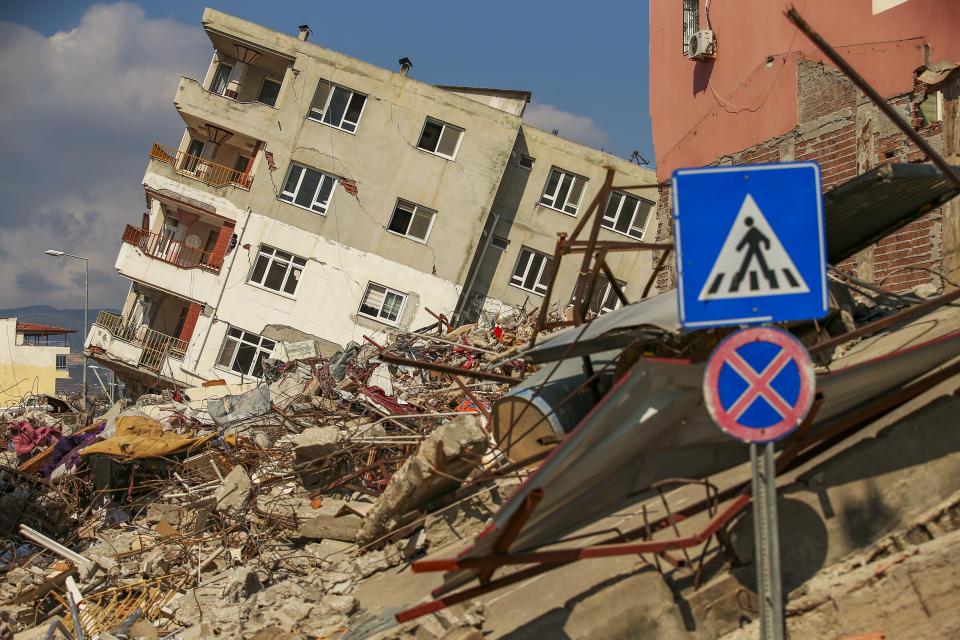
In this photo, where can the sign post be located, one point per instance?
(750, 250)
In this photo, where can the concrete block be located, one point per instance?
(235, 490)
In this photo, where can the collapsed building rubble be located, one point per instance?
(255, 506)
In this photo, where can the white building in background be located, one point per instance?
(314, 199)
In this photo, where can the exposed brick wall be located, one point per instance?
(847, 135)
(190, 323)
(223, 241)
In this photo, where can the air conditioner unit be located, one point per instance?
(702, 46)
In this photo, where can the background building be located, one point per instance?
(752, 88)
(33, 359)
(314, 199)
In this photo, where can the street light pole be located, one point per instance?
(86, 306)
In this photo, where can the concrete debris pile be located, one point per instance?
(254, 510)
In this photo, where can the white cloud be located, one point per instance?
(572, 127)
(79, 111)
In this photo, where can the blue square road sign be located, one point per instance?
(750, 244)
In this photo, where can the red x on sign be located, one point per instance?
(759, 384)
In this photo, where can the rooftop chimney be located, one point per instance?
(304, 31)
(405, 66)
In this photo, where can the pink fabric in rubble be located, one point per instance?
(26, 437)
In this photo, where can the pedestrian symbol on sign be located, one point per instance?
(752, 261)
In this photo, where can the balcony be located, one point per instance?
(135, 345)
(171, 251)
(254, 119)
(197, 168)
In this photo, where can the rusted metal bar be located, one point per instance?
(371, 341)
(614, 284)
(594, 230)
(656, 185)
(441, 319)
(481, 406)
(871, 93)
(656, 270)
(554, 267)
(512, 528)
(443, 368)
(579, 246)
(884, 323)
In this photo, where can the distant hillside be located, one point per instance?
(67, 318)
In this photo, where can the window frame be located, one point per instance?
(443, 128)
(556, 192)
(615, 220)
(226, 78)
(319, 115)
(603, 285)
(313, 200)
(57, 361)
(271, 257)
(417, 208)
(523, 157)
(260, 351)
(529, 253)
(263, 84)
(691, 22)
(386, 291)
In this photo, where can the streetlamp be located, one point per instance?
(86, 305)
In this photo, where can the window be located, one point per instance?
(626, 214)
(337, 106)
(220, 79)
(931, 108)
(563, 191)
(61, 362)
(241, 163)
(269, 91)
(308, 188)
(412, 220)
(277, 270)
(532, 271)
(382, 303)
(525, 162)
(244, 352)
(604, 298)
(691, 22)
(440, 138)
(499, 242)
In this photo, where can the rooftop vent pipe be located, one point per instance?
(304, 31)
(405, 66)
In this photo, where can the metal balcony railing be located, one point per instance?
(216, 175)
(173, 251)
(155, 345)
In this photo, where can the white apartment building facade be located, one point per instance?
(315, 199)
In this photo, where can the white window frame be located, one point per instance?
(525, 264)
(61, 357)
(444, 128)
(614, 219)
(226, 78)
(237, 337)
(691, 22)
(320, 114)
(549, 199)
(530, 160)
(289, 266)
(315, 206)
(415, 210)
(377, 315)
(603, 294)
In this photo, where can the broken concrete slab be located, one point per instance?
(235, 490)
(310, 446)
(324, 527)
(448, 454)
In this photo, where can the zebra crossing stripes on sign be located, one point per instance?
(749, 244)
(752, 261)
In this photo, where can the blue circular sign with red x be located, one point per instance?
(759, 384)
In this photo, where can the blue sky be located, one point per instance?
(96, 83)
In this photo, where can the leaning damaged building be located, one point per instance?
(315, 198)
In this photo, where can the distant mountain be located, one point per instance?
(67, 318)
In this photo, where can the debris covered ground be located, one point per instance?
(233, 511)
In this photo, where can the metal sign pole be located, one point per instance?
(767, 544)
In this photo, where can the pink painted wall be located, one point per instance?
(704, 110)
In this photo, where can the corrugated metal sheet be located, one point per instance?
(870, 206)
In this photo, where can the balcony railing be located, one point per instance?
(172, 251)
(216, 175)
(155, 345)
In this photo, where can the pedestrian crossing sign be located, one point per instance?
(750, 244)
